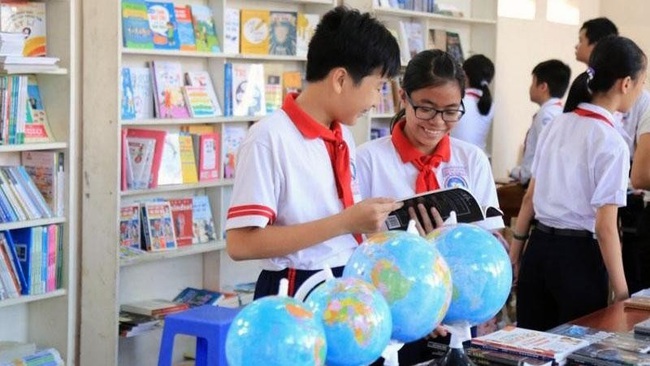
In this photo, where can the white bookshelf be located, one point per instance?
(50, 319)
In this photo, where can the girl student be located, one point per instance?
(580, 177)
(479, 109)
(420, 155)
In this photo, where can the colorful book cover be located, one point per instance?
(42, 166)
(203, 225)
(170, 171)
(130, 225)
(198, 101)
(142, 92)
(197, 297)
(135, 25)
(227, 89)
(207, 145)
(162, 22)
(233, 136)
(202, 78)
(159, 231)
(188, 161)
(231, 31)
(204, 30)
(145, 158)
(248, 89)
(168, 81)
(454, 47)
(7, 242)
(185, 28)
(305, 28)
(282, 33)
(139, 158)
(37, 127)
(273, 87)
(128, 100)
(29, 250)
(182, 216)
(254, 33)
(27, 17)
(291, 82)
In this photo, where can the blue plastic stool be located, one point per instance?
(209, 324)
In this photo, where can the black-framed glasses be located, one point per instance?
(429, 113)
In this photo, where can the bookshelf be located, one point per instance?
(109, 281)
(50, 319)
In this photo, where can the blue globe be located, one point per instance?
(278, 331)
(411, 275)
(356, 318)
(480, 272)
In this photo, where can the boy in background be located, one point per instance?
(295, 201)
(550, 82)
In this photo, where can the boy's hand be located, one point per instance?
(368, 216)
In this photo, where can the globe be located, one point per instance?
(278, 331)
(356, 319)
(480, 272)
(411, 275)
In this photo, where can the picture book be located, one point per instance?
(142, 92)
(204, 30)
(624, 340)
(170, 171)
(282, 33)
(185, 28)
(273, 87)
(127, 99)
(37, 127)
(456, 199)
(233, 135)
(206, 148)
(168, 82)
(414, 36)
(202, 222)
(188, 161)
(162, 22)
(28, 243)
(248, 89)
(600, 353)
(29, 18)
(291, 82)
(198, 101)
(254, 32)
(231, 31)
(45, 168)
(182, 216)
(202, 78)
(454, 47)
(130, 225)
(135, 25)
(197, 297)
(305, 28)
(158, 226)
(144, 156)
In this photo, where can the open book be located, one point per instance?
(456, 199)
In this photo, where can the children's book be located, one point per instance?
(197, 297)
(188, 160)
(45, 168)
(282, 33)
(170, 171)
(206, 147)
(600, 353)
(135, 25)
(254, 32)
(273, 87)
(37, 127)
(158, 226)
(162, 22)
(168, 82)
(204, 30)
(202, 78)
(203, 225)
(182, 215)
(127, 99)
(291, 82)
(185, 28)
(456, 199)
(305, 28)
(27, 17)
(248, 89)
(145, 148)
(231, 31)
(142, 92)
(233, 135)
(454, 47)
(130, 225)
(198, 101)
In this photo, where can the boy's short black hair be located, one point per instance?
(599, 28)
(357, 42)
(556, 74)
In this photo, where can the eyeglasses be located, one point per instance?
(429, 113)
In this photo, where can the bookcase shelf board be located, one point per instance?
(27, 70)
(432, 16)
(33, 147)
(178, 187)
(180, 252)
(31, 223)
(192, 121)
(32, 298)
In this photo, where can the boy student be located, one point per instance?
(550, 82)
(295, 197)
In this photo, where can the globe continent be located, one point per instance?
(480, 272)
(411, 275)
(278, 331)
(356, 318)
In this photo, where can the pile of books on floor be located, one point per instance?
(25, 354)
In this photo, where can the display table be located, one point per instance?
(614, 318)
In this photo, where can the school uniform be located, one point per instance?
(391, 167)
(547, 112)
(581, 163)
(473, 127)
(628, 123)
(285, 176)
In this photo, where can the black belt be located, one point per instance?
(564, 232)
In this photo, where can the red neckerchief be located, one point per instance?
(587, 113)
(336, 146)
(426, 164)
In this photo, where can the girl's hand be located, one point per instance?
(426, 226)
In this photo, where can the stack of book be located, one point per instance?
(639, 300)
(132, 324)
(156, 308)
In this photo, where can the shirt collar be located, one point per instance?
(598, 110)
(306, 124)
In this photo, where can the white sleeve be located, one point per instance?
(484, 189)
(611, 172)
(364, 172)
(644, 124)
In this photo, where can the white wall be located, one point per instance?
(521, 44)
(632, 19)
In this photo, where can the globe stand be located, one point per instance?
(456, 356)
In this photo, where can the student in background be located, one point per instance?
(479, 109)
(550, 82)
(420, 156)
(295, 197)
(579, 181)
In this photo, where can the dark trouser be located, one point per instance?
(561, 278)
(635, 226)
(268, 282)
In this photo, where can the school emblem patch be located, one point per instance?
(454, 177)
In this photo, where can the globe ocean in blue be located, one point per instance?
(411, 275)
(481, 273)
(356, 319)
(276, 331)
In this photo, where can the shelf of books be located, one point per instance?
(39, 130)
